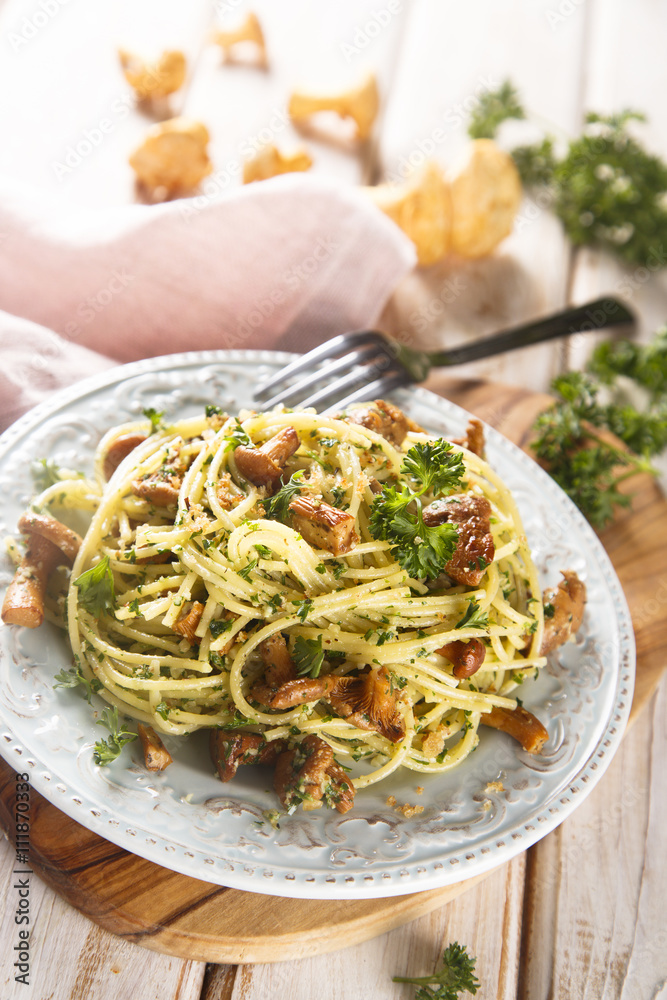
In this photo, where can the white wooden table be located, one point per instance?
(582, 913)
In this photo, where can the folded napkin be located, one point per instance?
(283, 264)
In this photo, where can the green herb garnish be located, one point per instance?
(457, 975)
(155, 419)
(276, 506)
(97, 593)
(109, 749)
(308, 656)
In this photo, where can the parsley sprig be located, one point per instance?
(571, 437)
(109, 749)
(456, 976)
(97, 593)
(73, 678)
(494, 107)
(396, 514)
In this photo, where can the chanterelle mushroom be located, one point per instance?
(360, 104)
(368, 701)
(173, 157)
(228, 750)
(270, 162)
(475, 548)
(486, 194)
(154, 79)
(519, 723)
(382, 417)
(250, 30)
(465, 657)
(308, 773)
(323, 526)
(422, 208)
(265, 465)
(156, 755)
(24, 600)
(563, 611)
(279, 668)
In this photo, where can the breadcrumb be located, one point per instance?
(495, 786)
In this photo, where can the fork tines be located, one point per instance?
(347, 368)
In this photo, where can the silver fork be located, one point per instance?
(367, 364)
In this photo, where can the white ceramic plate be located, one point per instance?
(185, 818)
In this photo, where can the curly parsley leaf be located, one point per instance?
(457, 975)
(97, 593)
(108, 750)
(396, 516)
(308, 656)
(435, 466)
(276, 506)
(494, 107)
(536, 163)
(571, 438)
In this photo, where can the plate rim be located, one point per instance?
(588, 773)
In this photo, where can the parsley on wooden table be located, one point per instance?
(456, 976)
(571, 436)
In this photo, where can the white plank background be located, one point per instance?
(582, 914)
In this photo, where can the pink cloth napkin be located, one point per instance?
(283, 264)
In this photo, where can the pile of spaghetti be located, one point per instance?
(343, 596)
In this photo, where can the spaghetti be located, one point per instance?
(209, 571)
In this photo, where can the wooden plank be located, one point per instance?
(71, 957)
(486, 920)
(594, 917)
(451, 54)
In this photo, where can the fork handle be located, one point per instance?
(596, 315)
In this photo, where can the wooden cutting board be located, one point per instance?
(182, 916)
